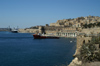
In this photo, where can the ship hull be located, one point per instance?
(44, 37)
(14, 31)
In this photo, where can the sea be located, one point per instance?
(21, 49)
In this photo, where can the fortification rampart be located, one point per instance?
(80, 41)
(28, 30)
(95, 30)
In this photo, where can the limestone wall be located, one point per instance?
(80, 41)
(50, 32)
(28, 30)
(91, 30)
(55, 24)
(76, 61)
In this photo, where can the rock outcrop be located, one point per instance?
(75, 62)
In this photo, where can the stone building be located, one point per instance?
(67, 32)
(58, 31)
(77, 25)
(77, 22)
(54, 24)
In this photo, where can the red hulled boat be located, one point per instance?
(44, 37)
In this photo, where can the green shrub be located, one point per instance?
(88, 54)
(96, 40)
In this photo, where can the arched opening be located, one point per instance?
(84, 42)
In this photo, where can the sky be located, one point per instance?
(28, 13)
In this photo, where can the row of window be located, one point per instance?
(66, 34)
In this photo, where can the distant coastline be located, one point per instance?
(5, 29)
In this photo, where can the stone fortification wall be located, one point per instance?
(80, 41)
(91, 30)
(58, 28)
(51, 32)
(53, 28)
(68, 28)
(54, 24)
(28, 30)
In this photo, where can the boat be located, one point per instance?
(44, 37)
(14, 31)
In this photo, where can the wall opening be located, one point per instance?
(84, 42)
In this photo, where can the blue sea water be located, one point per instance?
(21, 49)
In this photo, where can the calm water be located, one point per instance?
(21, 49)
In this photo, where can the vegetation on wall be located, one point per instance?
(96, 40)
(89, 52)
(91, 25)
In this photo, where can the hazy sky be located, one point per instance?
(27, 13)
